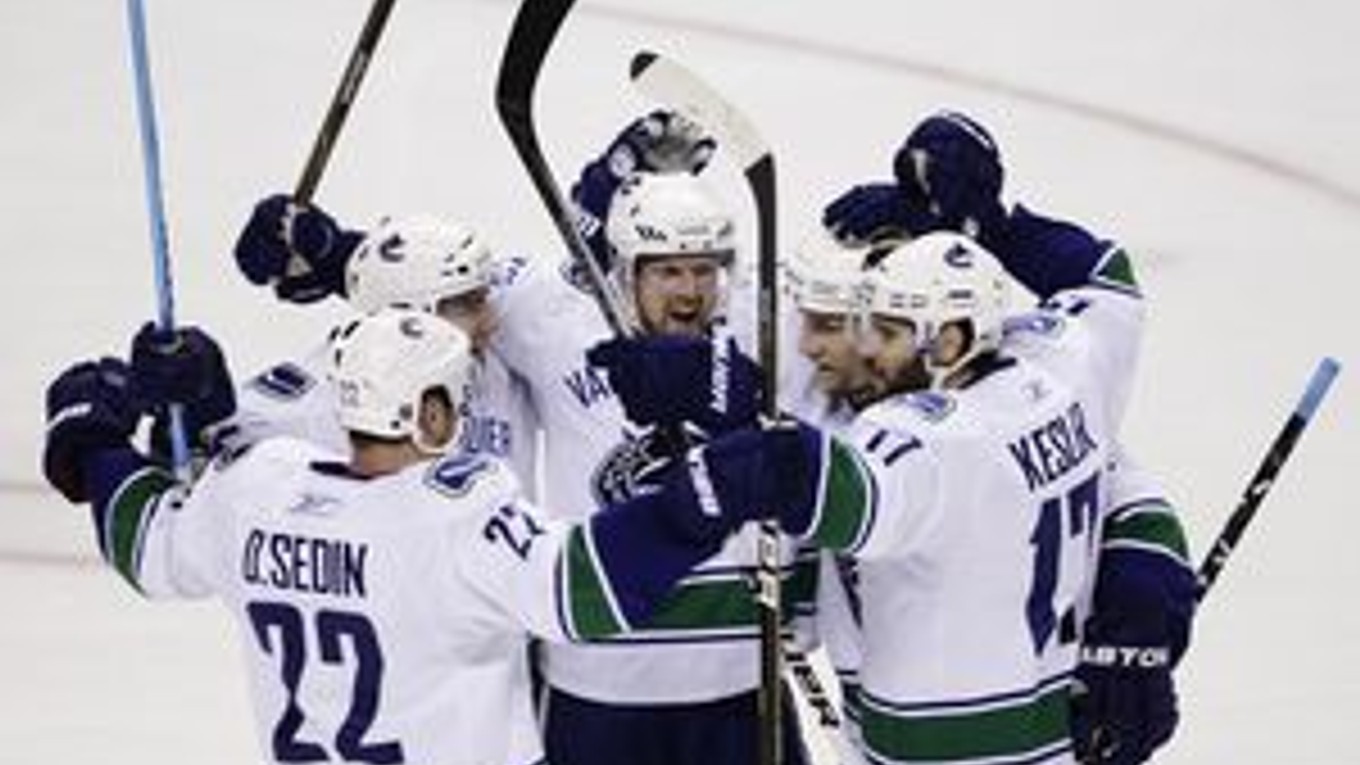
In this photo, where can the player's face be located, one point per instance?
(677, 294)
(473, 313)
(438, 421)
(890, 350)
(828, 340)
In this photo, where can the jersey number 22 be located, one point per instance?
(280, 629)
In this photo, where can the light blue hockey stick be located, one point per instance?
(151, 166)
(1264, 478)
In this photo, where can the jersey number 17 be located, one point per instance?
(1064, 522)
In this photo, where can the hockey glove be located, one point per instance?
(669, 380)
(1124, 702)
(662, 142)
(299, 249)
(754, 473)
(185, 367)
(91, 406)
(873, 211)
(950, 167)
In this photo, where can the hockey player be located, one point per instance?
(949, 176)
(418, 261)
(685, 695)
(384, 594)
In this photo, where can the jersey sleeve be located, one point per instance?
(159, 535)
(1090, 335)
(877, 489)
(1139, 515)
(503, 547)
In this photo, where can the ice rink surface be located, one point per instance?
(1216, 139)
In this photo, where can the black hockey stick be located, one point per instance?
(536, 25)
(341, 101)
(1266, 473)
(672, 84)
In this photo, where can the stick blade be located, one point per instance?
(664, 80)
(535, 27)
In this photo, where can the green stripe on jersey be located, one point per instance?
(132, 506)
(709, 603)
(998, 731)
(845, 510)
(588, 602)
(1116, 270)
(1154, 524)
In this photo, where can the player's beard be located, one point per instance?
(911, 378)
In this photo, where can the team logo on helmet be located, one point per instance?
(389, 250)
(959, 256)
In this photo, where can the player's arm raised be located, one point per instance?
(93, 409)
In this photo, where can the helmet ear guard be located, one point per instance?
(936, 280)
(416, 261)
(383, 364)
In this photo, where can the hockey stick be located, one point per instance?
(672, 84)
(155, 205)
(345, 93)
(1266, 473)
(535, 26)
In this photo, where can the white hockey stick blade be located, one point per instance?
(667, 82)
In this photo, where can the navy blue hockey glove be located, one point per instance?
(299, 249)
(91, 406)
(185, 367)
(755, 473)
(1124, 703)
(661, 142)
(873, 211)
(950, 167)
(669, 380)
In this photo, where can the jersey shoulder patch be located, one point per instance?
(283, 382)
(457, 474)
(931, 405)
(1042, 323)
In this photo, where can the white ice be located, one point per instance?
(1216, 138)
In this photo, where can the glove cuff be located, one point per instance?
(1126, 656)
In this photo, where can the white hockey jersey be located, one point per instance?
(703, 644)
(974, 515)
(383, 619)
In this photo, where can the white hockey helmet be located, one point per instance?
(936, 279)
(416, 261)
(824, 275)
(384, 362)
(657, 215)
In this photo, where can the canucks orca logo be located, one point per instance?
(628, 470)
(1034, 322)
(933, 405)
(284, 382)
(455, 475)
(959, 256)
